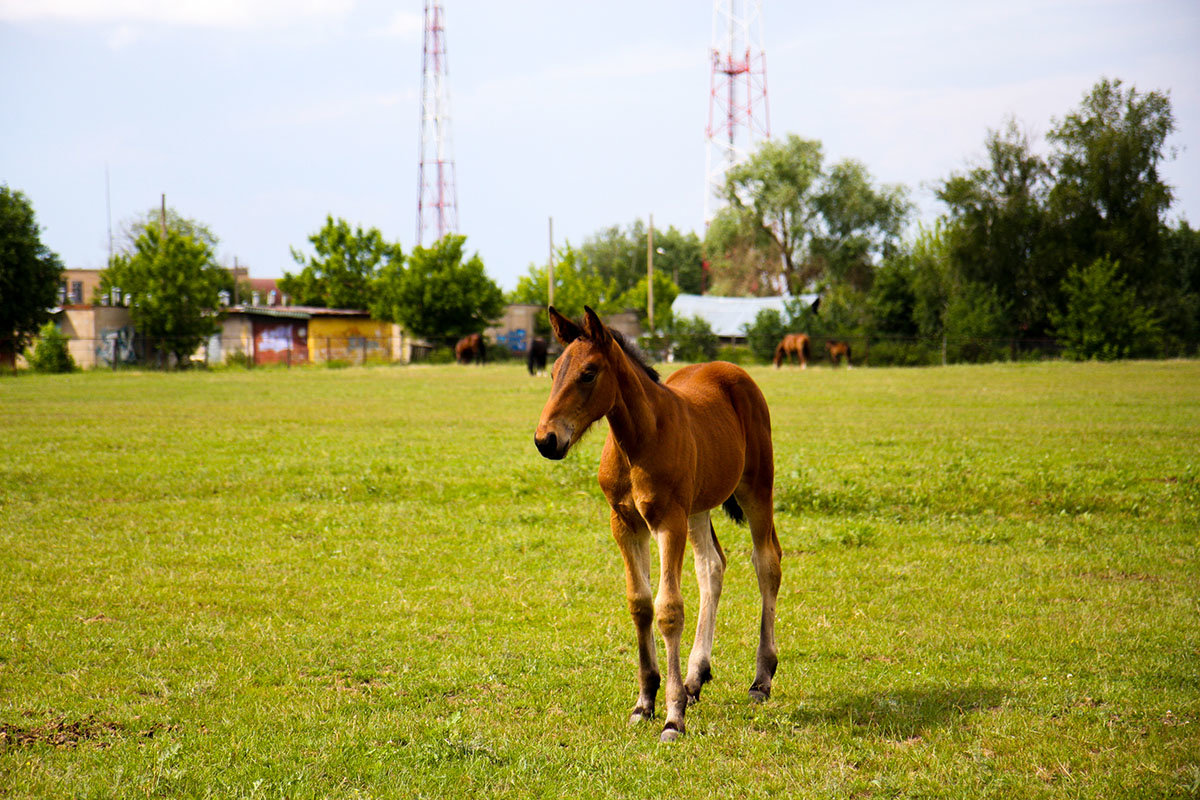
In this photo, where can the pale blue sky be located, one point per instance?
(258, 117)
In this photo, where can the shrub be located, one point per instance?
(693, 339)
(1102, 318)
(765, 333)
(239, 358)
(50, 353)
(975, 326)
(734, 354)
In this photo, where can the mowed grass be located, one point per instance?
(367, 583)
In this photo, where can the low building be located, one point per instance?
(295, 335)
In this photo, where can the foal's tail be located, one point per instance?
(733, 510)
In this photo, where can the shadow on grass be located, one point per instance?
(899, 714)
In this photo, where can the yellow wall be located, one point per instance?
(341, 339)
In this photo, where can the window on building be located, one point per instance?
(272, 297)
(77, 292)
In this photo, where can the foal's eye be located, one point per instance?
(587, 377)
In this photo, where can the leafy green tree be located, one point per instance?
(859, 223)
(50, 352)
(892, 300)
(344, 269)
(997, 230)
(1102, 318)
(743, 262)
(153, 218)
(636, 299)
(574, 287)
(618, 257)
(773, 206)
(438, 294)
(29, 275)
(172, 286)
(934, 280)
(825, 226)
(1178, 297)
(1109, 199)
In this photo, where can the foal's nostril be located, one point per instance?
(548, 446)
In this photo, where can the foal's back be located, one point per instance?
(730, 418)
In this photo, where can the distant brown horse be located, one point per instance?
(675, 450)
(471, 348)
(793, 344)
(836, 351)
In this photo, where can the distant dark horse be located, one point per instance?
(471, 348)
(536, 359)
(792, 344)
(836, 351)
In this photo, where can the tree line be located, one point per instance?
(1071, 247)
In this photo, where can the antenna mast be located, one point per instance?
(738, 118)
(437, 203)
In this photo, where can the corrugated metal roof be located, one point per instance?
(297, 312)
(286, 312)
(729, 315)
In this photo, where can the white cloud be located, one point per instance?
(197, 13)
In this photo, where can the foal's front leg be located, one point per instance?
(668, 613)
(634, 542)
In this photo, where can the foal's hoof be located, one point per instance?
(759, 695)
(670, 735)
(638, 717)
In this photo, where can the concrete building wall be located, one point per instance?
(515, 328)
(97, 334)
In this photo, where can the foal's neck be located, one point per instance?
(633, 418)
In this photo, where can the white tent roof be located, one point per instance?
(728, 315)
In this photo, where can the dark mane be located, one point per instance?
(635, 355)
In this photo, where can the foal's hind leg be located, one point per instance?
(634, 542)
(710, 571)
(767, 554)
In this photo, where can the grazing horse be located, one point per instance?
(675, 450)
(792, 344)
(471, 348)
(536, 359)
(836, 351)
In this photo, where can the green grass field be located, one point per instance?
(367, 583)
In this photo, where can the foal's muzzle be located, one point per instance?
(550, 446)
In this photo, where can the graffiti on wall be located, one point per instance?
(280, 342)
(116, 346)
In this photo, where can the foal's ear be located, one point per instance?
(564, 329)
(593, 328)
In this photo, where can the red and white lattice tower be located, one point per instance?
(437, 203)
(737, 104)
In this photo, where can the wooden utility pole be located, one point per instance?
(650, 274)
(162, 217)
(550, 270)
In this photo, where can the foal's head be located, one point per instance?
(585, 384)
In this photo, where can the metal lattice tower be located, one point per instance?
(437, 203)
(737, 105)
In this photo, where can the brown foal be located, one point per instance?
(675, 450)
